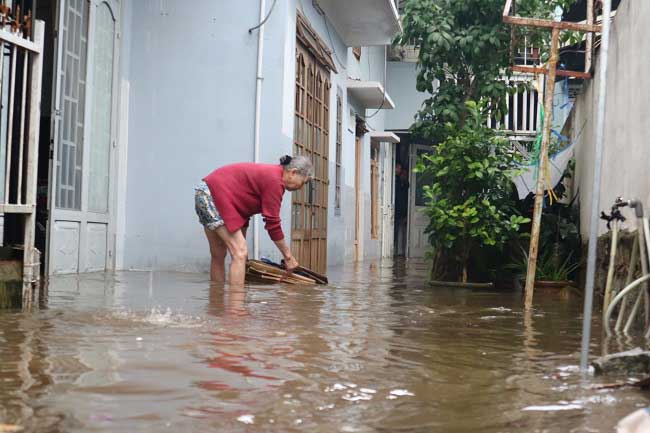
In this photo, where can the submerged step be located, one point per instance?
(11, 277)
(10, 294)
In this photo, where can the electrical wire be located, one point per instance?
(327, 27)
(383, 98)
(265, 18)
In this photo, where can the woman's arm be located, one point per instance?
(289, 261)
(271, 203)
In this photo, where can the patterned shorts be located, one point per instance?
(205, 209)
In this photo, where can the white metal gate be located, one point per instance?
(81, 195)
(20, 90)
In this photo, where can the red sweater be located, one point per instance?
(242, 190)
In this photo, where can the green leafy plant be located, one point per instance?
(468, 199)
(463, 51)
(549, 266)
(541, 37)
(464, 54)
(560, 244)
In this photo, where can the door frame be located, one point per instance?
(54, 132)
(358, 197)
(83, 216)
(413, 153)
(387, 170)
(311, 138)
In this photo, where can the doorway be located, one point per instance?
(76, 199)
(311, 138)
(418, 241)
(401, 191)
(358, 247)
(387, 170)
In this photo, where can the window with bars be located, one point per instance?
(374, 191)
(339, 146)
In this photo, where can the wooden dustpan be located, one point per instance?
(268, 271)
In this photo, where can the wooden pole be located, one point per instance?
(551, 24)
(542, 161)
(544, 71)
(590, 36)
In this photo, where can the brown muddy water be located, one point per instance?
(376, 351)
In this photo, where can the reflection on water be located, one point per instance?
(376, 351)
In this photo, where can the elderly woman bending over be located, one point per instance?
(227, 198)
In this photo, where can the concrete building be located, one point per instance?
(141, 99)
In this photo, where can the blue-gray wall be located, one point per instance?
(191, 73)
(402, 78)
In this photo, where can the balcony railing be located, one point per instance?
(522, 117)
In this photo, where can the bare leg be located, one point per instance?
(236, 244)
(218, 252)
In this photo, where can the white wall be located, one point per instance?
(192, 83)
(626, 148)
(190, 75)
(402, 78)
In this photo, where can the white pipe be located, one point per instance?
(646, 235)
(258, 118)
(630, 274)
(617, 299)
(643, 253)
(595, 199)
(612, 264)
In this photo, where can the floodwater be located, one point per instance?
(376, 351)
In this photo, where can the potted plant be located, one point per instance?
(553, 269)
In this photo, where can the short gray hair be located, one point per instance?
(301, 163)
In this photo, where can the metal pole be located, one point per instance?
(595, 197)
(543, 156)
(259, 78)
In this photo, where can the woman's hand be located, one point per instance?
(290, 263)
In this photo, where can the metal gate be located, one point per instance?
(21, 60)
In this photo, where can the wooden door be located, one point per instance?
(358, 247)
(311, 138)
